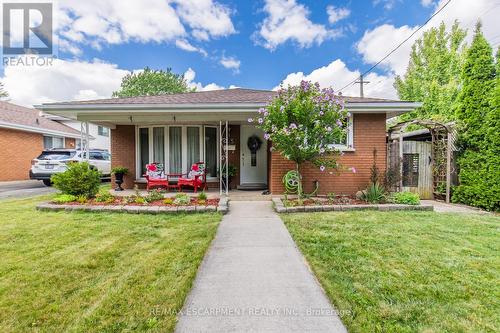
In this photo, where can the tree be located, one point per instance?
(478, 115)
(433, 74)
(3, 92)
(152, 82)
(478, 81)
(302, 122)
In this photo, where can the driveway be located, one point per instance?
(254, 279)
(23, 188)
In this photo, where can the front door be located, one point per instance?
(253, 161)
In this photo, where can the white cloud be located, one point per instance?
(337, 75)
(98, 22)
(377, 42)
(288, 20)
(388, 4)
(206, 17)
(187, 46)
(64, 80)
(336, 14)
(190, 76)
(230, 63)
(427, 3)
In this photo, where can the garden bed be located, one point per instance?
(124, 204)
(339, 203)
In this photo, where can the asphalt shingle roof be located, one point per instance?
(229, 96)
(19, 115)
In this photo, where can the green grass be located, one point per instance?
(405, 272)
(96, 272)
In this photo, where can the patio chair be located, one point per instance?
(196, 178)
(155, 176)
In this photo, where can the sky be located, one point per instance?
(220, 44)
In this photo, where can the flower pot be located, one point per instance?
(119, 181)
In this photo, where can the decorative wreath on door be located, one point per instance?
(254, 143)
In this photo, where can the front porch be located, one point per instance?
(176, 146)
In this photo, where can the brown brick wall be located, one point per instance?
(123, 151)
(369, 134)
(17, 149)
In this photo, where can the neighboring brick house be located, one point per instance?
(179, 129)
(23, 136)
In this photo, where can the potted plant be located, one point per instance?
(231, 172)
(119, 172)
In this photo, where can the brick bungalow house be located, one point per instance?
(180, 129)
(24, 133)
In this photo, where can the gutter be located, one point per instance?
(221, 107)
(33, 129)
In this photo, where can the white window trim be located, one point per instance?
(166, 128)
(59, 137)
(349, 146)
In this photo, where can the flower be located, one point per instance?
(266, 114)
(250, 120)
(282, 108)
(260, 120)
(329, 129)
(353, 169)
(293, 126)
(266, 136)
(322, 168)
(261, 110)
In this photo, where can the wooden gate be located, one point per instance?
(417, 168)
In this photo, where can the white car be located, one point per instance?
(55, 161)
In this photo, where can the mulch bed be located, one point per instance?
(122, 201)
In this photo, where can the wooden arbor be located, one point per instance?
(441, 150)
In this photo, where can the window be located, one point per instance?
(102, 131)
(347, 142)
(143, 148)
(410, 170)
(96, 156)
(175, 157)
(193, 145)
(50, 142)
(177, 147)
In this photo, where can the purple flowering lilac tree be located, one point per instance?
(303, 122)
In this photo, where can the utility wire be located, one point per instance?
(397, 47)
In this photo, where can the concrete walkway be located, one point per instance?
(254, 279)
(443, 207)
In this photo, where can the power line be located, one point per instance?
(399, 45)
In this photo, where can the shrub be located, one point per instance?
(153, 195)
(182, 199)
(406, 198)
(202, 196)
(64, 198)
(375, 193)
(81, 199)
(139, 200)
(168, 201)
(104, 196)
(120, 170)
(79, 179)
(202, 202)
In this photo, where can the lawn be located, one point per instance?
(96, 272)
(405, 272)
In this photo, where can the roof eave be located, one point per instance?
(34, 129)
